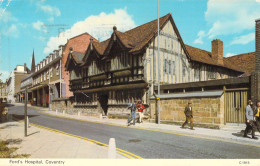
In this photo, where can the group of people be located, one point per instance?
(252, 118)
(139, 105)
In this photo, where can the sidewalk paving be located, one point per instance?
(41, 143)
(230, 133)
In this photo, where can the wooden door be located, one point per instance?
(234, 106)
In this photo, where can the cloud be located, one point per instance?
(51, 10)
(200, 35)
(6, 16)
(40, 26)
(229, 54)
(99, 26)
(244, 39)
(4, 76)
(12, 31)
(51, 19)
(231, 17)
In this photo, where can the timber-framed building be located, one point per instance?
(124, 68)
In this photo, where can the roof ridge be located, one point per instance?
(240, 54)
(85, 33)
(198, 48)
(148, 22)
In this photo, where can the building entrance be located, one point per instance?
(103, 101)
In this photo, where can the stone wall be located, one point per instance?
(69, 107)
(114, 111)
(207, 111)
(118, 111)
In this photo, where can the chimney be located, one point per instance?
(71, 50)
(217, 50)
(24, 66)
(257, 45)
(91, 43)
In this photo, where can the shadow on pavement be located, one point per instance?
(13, 141)
(20, 117)
(8, 126)
(241, 134)
(33, 133)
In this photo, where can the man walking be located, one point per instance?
(133, 114)
(189, 116)
(250, 120)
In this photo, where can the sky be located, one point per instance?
(43, 25)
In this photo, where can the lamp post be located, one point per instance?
(25, 114)
(159, 64)
(49, 91)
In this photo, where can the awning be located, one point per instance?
(192, 94)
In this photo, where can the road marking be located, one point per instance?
(155, 130)
(120, 151)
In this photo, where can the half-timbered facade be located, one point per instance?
(124, 68)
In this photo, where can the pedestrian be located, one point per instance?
(140, 107)
(133, 114)
(257, 117)
(250, 121)
(189, 116)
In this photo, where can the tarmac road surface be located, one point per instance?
(143, 143)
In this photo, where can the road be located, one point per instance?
(147, 144)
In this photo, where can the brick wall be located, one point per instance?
(217, 50)
(207, 112)
(79, 44)
(257, 44)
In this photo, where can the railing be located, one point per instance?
(75, 84)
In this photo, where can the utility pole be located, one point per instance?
(49, 90)
(25, 114)
(159, 64)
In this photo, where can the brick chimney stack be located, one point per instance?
(255, 77)
(257, 45)
(217, 50)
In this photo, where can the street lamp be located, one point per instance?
(159, 64)
(25, 114)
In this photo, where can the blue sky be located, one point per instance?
(42, 25)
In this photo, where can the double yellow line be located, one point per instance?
(161, 131)
(120, 151)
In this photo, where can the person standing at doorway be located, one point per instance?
(250, 122)
(189, 116)
(133, 113)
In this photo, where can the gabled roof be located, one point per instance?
(76, 58)
(136, 39)
(245, 62)
(205, 57)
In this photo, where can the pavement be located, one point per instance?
(230, 132)
(42, 143)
